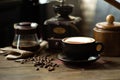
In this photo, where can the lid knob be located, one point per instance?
(110, 19)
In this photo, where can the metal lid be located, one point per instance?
(109, 24)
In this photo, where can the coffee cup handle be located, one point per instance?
(99, 47)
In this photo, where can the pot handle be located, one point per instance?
(99, 47)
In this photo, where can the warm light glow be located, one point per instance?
(48, 1)
(43, 1)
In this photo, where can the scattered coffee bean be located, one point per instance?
(46, 66)
(37, 68)
(50, 68)
(41, 62)
(31, 59)
(23, 61)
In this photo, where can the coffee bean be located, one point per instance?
(41, 62)
(46, 66)
(31, 59)
(50, 68)
(54, 65)
(37, 68)
(23, 61)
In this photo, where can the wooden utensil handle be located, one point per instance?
(114, 3)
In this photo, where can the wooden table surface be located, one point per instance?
(105, 68)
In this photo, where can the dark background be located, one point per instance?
(12, 11)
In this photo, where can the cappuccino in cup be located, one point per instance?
(80, 48)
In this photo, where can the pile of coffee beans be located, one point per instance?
(41, 62)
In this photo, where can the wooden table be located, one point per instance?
(106, 68)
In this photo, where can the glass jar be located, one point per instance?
(25, 36)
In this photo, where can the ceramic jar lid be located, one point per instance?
(109, 24)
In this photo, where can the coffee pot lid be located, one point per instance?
(109, 24)
(25, 28)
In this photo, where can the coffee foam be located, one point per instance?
(78, 40)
